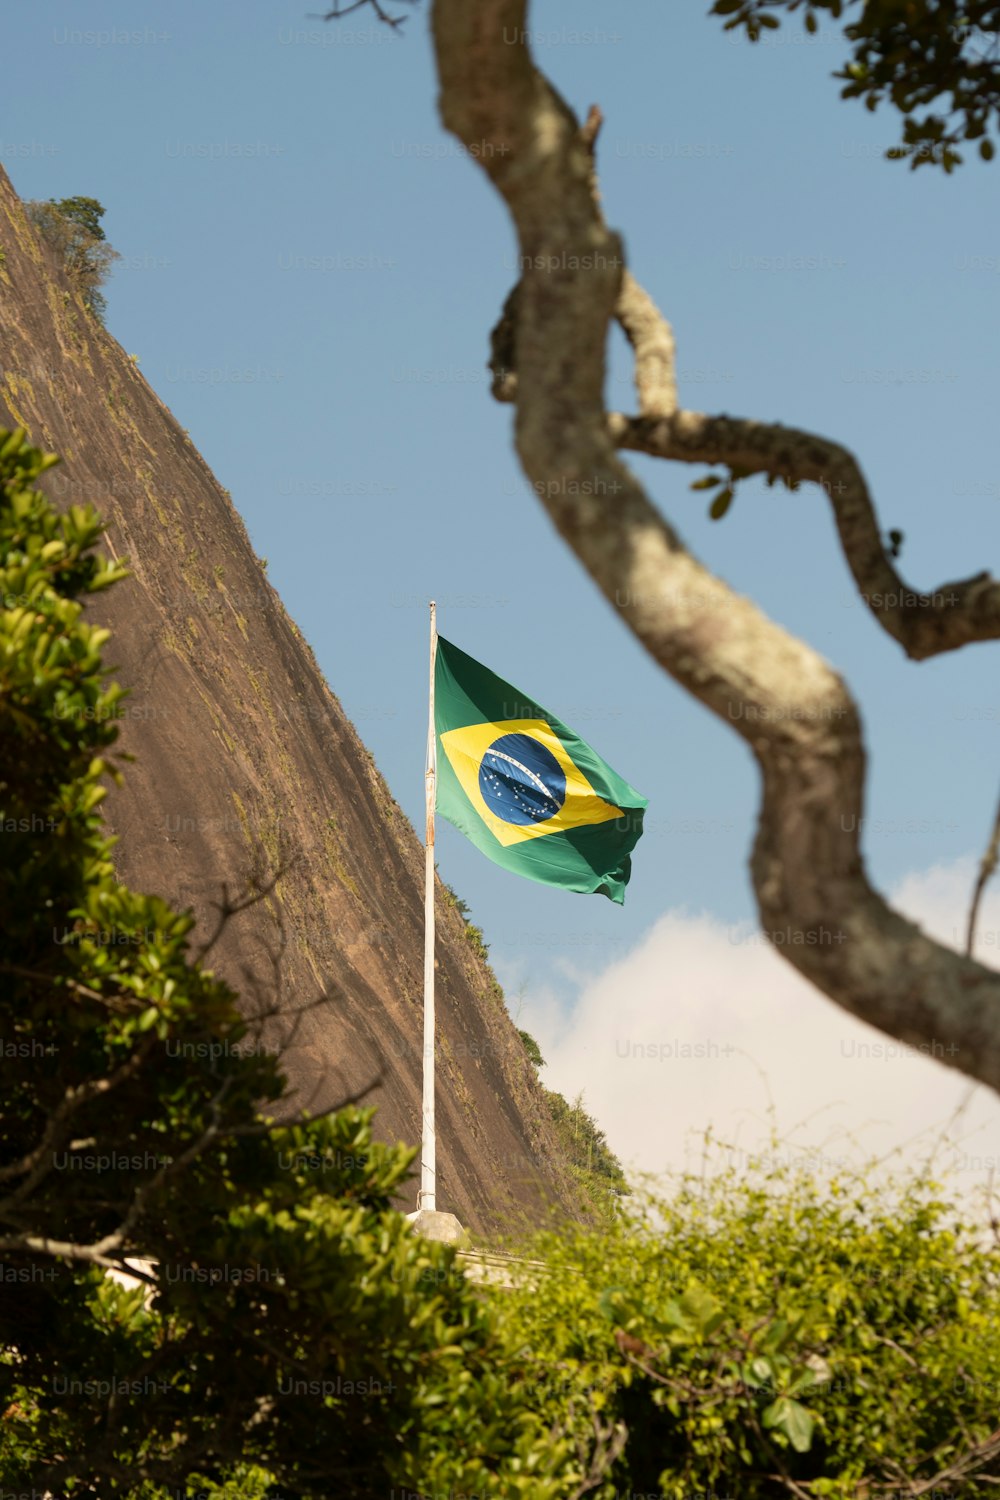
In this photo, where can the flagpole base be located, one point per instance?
(434, 1225)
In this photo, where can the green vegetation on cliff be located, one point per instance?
(593, 1165)
(72, 227)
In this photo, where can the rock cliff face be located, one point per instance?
(245, 764)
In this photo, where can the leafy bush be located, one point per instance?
(72, 226)
(476, 941)
(532, 1048)
(768, 1334)
(591, 1161)
(462, 907)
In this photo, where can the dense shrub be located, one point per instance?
(772, 1332)
(72, 227)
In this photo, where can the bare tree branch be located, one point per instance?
(790, 707)
(645, 327)
(98, 1254)
(110, 1251)
(925, 624)
(342, 8)
(71, 986)
(261, 886)
(987, 865)
(36, 1164)
(964, 1467)
(609, 1439)
(652, 340)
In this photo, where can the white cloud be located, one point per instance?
(703, 1024)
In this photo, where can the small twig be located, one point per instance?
(963, 1467)
(339, 11)
(903, 1353)
(264, 1127)
(589, 131)
(227, 909)
(34, 1163)
(61, 981)
(994, 1221)
(609, 1443)
(986, 868)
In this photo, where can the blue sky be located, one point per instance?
(311, 270)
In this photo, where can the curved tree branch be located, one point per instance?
(950, 616)
(788, 704)
(652, 340)
(925, 624)
(953, 615)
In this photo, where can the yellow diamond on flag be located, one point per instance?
(521, 780)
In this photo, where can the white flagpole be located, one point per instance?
(426, 1198)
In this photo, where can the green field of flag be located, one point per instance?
(524, 788)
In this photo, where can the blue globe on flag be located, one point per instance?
(521, 781)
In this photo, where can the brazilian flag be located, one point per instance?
(525, 789)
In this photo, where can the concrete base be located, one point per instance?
(434, 1225)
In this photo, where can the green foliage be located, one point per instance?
(462, 907)
(287, 1323)
(72, 226)
(474, 938)
(725, 486)
(532, 1048)
(85, 212)
(935, 61)
(591, 1161)
(758, 1331)
(473, 935)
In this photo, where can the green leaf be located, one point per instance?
(780, 1332)
(609, 1301)
(758, 1371)
(805, 1377)
(794, 1421)
(721, 503)
(701, 1308)
(674, 1315)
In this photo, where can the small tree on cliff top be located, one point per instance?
(72, 226)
